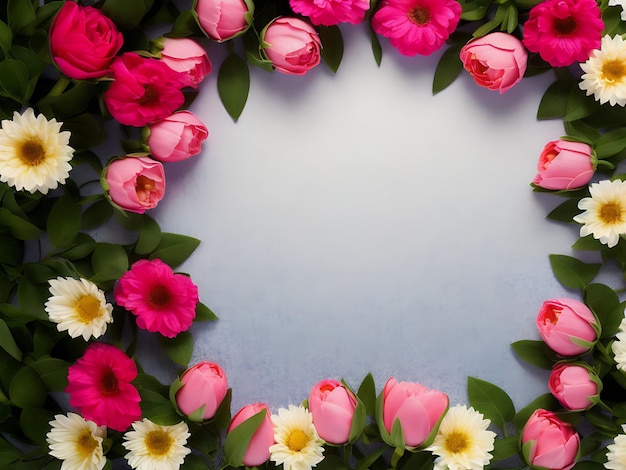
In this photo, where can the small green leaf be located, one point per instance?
(63, 222)
(180, 348)
(32, 299)
(368, 460)
(554, 101)
(573, 273)
(377, 50)
(588, 243)
(52, 371)
(21, 15)
(149, 236)
(367, 394)
(579, 105)
(26, 389)
(238, 439)
(582, 132)
(174, 249)
(611, 143)
(233, 85)
(125, 13)
(565, 211)
(448, 68)
(332, 46)
(536, 353)
(505, 447)
(34, 423)
(20, 228)
(6, 37)
(109, 262)
(491, 401)
(204, 313)
(14, 80)
(7, 342)
(606, 305)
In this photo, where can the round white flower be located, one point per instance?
(156, 447)
(617, 452)
(605, 72)
(77, 442)
(619, 346)
(298, 447)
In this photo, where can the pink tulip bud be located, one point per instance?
(135, 184)
(332, 406)
(224, 19)
(549, 443)
(575, 386)
(292, 45)
(258, 451)
(177, 137)
(204, 384)
(186, 57)
(564, 165)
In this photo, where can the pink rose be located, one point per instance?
(292, 45)
(203, 385)
(549, 443)
(223, 19)
(496, 61)
(143, 90)
(135, 184)
(258, 451)
(332, 406)
(176, 137)
(564, 165)
(575, 386)
(187, 57)
(83, 41)
(418, 409)
(331, 12)
(567, 326)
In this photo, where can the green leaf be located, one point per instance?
(588, 243)
(52, 371)
(505, 447)
(367, 394)
(174, 249)
(149, 236)
(109, 262)
(579, 105)
(573, 273)
(26, 389)
(582, 131)
(238, 439)
(14, 80)
(377, 50)
(204, 313)
(545, 401)
(20, 228)
(125, 13)
(332, 46)
(157, 408)
(536, 353)
(32, 299)
(611, 143)
(491, 401)
(448, 68)
(554, 101)
(34, 423)
(180, 348)
(6, 37)
(606, 305)
(7, 342)
(97, 214)
(369, 459)
(63, 222)
(233, 85)
(21, 15)
(565, 211)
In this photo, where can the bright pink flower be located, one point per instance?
(224, 19)
(331, 12)
(567, 326)
(292, 45)
(258, 451)
(188, 58)
(575, 386)
(83, 41)
(203, 385)
(564, 31)
(496, 61)
(417, 26)
(549, 443)
(135, 184)
(564, 165)
(163, 301)
(99, 386)
(332, 406)
(177, 137)
(143, 90)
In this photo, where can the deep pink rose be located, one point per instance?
(203, 385)
(83, 41)
(224, 19)
(418, 409)
(564, 165)
(177, 137)
(567, 326)
(331, 12)
(136, 184)
(575, 386)
(292, 45)
(332, 406)
(188, 58)
(549, 443)
(496, 61)
(143, 90)
(258, 451)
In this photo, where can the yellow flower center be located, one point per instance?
(85, 444)
(158, 443)
(32, 152)
(611, 213)
(88, 308)
(456, 442)
(419, 15)
(297, 440)
(613, 70)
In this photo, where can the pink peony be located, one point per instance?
(83, 41)
(575, 386)
(258, 451)
(417, 26)
(135, 184)
(163, 301)
(143, 90)
(177, 137)
(187, 57)
(549, 443)
(224, 19)
(332, 406)
(564, 31)
(564, 165)
(331, 12)
(99, 386)
(203, 385)
(292, 45)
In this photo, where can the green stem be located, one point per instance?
(395, 458)
(60, 86)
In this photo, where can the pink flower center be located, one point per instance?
(419, 15)
(150, 95)
(565, 26)
(159, 297)
(109, 385)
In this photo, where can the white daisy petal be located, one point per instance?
(77, 442)
(619, 348)
(152, 446)
(616, 456)
(297, 447)
(605, 72)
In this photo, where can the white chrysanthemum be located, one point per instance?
(463, 441)
(617, 452)
(619, 3)
(156, 447)
(79, 307)
(77, 442)
(605, 72)
(619, 346)
(298, 447)
(605, 212)
(34, 153)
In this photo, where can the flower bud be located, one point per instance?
(202, 386)
(332, 406)
(575, 386)
(258, 451)
(564, 165)
(549, 443)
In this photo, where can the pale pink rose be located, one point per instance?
(331, 12)
(224, 19)
(258, 451)
(177, 137)
(332, 406)
(418, 409)
(564, 165)
(203, 385)
(292, 45)
(496, 61)
(575, 386)
(187, 57)
(135, 184)
(83, 41)
(567, 326)
(549, 443)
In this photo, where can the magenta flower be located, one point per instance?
(163, 301)
(417, 26)
(331, 12)
(564, 31)
(99, 386)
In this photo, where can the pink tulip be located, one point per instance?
(567, 326)
(418, 409)
(496, 61)
(564, 165)
(224, 19)
(332, 406)
(187, 57)
(258, 451)
(203, 385)
(549, 443)
(177, 137)
(135, 184)
(575, 386)
(292, 45)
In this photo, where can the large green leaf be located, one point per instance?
(26, 389)
(233, 85)
(109, 262)
(174, 249)
(489, 399)
(606, 305)
(238, 439)
(536, 353)
(332, 46)
(573, 273)
(179, 348)
(7, 342)
(448, 68)
(64, 221)
(21, 15)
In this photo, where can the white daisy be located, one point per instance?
(605, 72)
(156, 447)
(619, 346)
(619, 3)
(34, 153)
(463, 441)
(617, 452)
(605, 212)
(298, 447)
(79, 307)
(77, 442)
